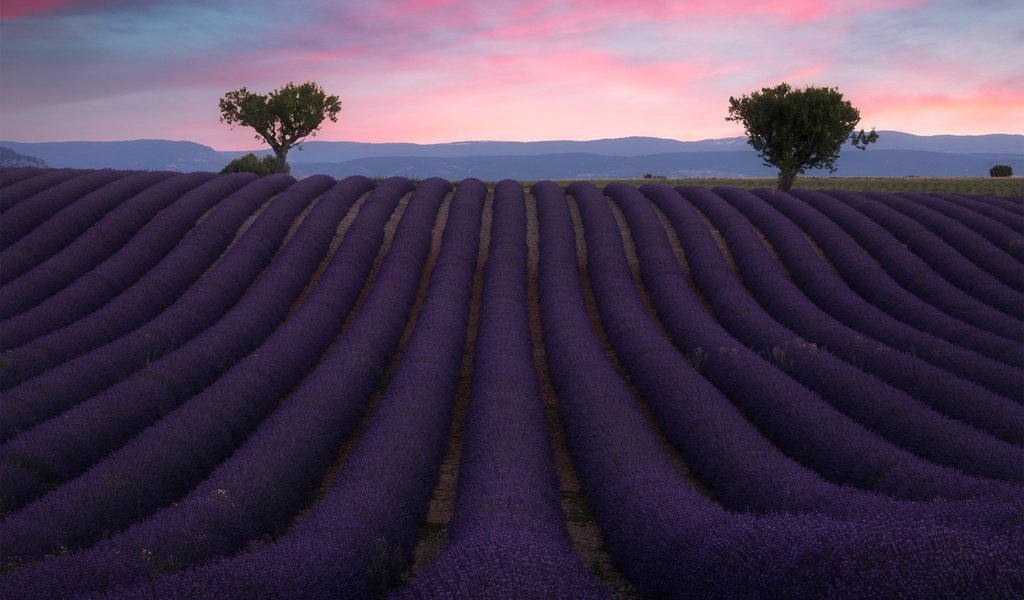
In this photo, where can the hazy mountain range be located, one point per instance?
(896, 154)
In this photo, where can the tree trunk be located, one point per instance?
(281, 164)
(786, 177)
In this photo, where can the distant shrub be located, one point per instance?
(1001, 171)
(250, 163)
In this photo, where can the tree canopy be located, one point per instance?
(796, 129)
(282, 118)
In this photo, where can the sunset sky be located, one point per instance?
(452, 70)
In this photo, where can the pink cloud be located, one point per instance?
(446, 70)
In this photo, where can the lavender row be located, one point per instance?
(968, 323)
(794, 418)
(12, 175)
(49, 237)
(1004, 233)
(151, 244)
(364, 525)
(193, 439)
(262, 485)
(157, 289)
(672, 542)
(939, 254)
(23, 217)
(946, 392)
(507, 536)
(64, 386)
(831, 293)
(984, 205)
(908, 269)
(1011, 204)
(98, 243)
(961, 238)
(56, 450)
(900, 418)
(19, 184)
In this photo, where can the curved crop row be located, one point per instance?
(160, 287)
(832, 294)
(939, 254)
(996, 335)
(68, 383)
(262, 485)
(260, 388)
(883, 409)
(55, 450)
(1002, 210)
(1003, 235)
(19, 184)
(968, 243)
(947, 393)
(908, 269)
(96, 244)
(792, 417)
(507, 537)
(193, 439)
(20, 217)
(34, 247)
(34, 304)
(672, 542)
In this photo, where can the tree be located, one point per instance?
(250, 163)
(1001, 171)
(282, 118)
(794, 130)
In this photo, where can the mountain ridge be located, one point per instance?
(895, 154)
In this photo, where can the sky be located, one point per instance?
(430, 71)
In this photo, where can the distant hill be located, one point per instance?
(871, 163)
(155, 155)
(10, 158)
(896, 154)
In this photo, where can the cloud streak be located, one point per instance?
(448, 70)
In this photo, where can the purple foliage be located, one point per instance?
(58, 451)
(191, 411)
(1007, 234)
(948, 393)
(696, 549)
(95, 245)
(507, 537)
(967, 242)
(19, 184)
(32, 242)
(295, 446)
(791, 416)
(904, 420)
(67, 384)
(940, 255)
(828, 290)
(95, 284)
(204, 430)
(908, 270)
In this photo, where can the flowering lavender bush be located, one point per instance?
(94, 285)
(254, 390)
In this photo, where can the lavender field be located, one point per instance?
(223, 386)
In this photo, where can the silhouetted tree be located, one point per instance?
(282, 118)
(1001, 171)
(797, 129)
